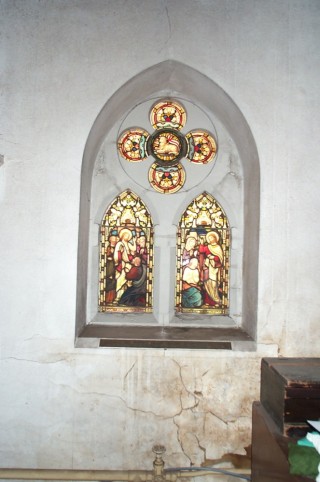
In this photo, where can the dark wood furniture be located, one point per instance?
(290, 392)
(289, 396)
(269, 450)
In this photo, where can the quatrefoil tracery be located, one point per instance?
(167, 145)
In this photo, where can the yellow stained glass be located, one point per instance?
(167, 145)
(126, 256)
(203, 250)
(201, 147)
(166, 180)
(168, 113)
(132, 144)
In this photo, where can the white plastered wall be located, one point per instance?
(63, 406)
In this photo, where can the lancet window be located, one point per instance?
(203, 246)
(126, 256)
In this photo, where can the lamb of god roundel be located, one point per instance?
(168, 146)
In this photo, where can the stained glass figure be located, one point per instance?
(126, 256)
(167, 145)
(203, 248)
(166, 180)
(201, 147)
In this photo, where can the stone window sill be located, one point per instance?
(97, 335)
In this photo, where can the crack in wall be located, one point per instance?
(195, 394)
(197, 397)
(180, 442)
(39, 362)
(169, 22)
(203, 449)
(196, 429)
(129, 371)
(190, 417)
(167, 17)
(217, 417)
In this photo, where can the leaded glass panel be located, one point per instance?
(168, 146)
(203, 248)
(126, 256)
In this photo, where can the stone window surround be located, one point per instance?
(184, 81)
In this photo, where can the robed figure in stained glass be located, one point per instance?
(203, 258)
(126, 256)
(211, 263)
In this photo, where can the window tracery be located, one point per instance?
(235, 179)
(203, 240)
(167, 145)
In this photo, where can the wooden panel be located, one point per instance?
(269, 450)
(290, 392)
(298, 409)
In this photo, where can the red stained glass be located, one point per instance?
(168, 113)
(132, 144)
(166, 180)
(202, 147)
(126, 256)
(203, 248)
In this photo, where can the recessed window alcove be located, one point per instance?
(231, 182)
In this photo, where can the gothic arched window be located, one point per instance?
(203, 246)
(169, 141)
(126, 256)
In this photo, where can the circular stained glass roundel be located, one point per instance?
(201, 147)
(168, 114)
(167, 180)
(132, 144)
(166, 146)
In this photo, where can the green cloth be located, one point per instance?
(303, 460)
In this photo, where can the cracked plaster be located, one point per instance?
(84, 408)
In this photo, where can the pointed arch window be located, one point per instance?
(203, 247)
(126, 256)
(198, 157)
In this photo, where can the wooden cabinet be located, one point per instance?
(290, 392)
(269, 450)
(289, 396)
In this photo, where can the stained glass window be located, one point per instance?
(168, 146)
(126, 256)
(203, 246)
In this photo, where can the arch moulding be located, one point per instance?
(172, 78)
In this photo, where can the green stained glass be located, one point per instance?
(126, 256)
(166, 180)
(201, 147)
(203, 249)
(168, 113)
(168, 146)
